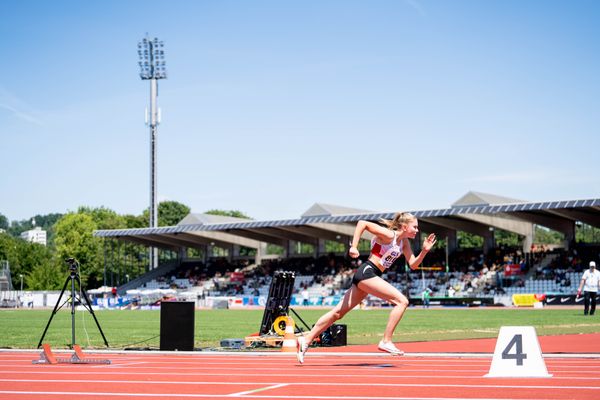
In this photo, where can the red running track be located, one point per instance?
(558, 344)
(325, 375)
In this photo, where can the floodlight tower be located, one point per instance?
(152, 68)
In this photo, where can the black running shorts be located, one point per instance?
(365, 271)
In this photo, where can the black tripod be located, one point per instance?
(73, 276)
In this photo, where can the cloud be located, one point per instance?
(20, 114)
(417, 6)
(15, 106)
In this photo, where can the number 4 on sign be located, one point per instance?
(518, 354)
(517, 343)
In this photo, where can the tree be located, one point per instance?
(46, 276)
(228, 213)
(135, 221)
(275, 249)
(585, 233)
(543, 235)
(103, 217)
(30, 257)
(23, 258)
(169, 213)
(74, 239)
(506, 238)
(43, 221)
(8, 248)
(46, 221)
(4, 222)
(332, 246)
(18, 227)
(9, 252)
(468, 240)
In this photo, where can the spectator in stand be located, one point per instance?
(451, 291)
(305, 296)
(589, 285)
(388, 244)
(425, 296)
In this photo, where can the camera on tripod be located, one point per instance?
(73, 300)
(73, 265)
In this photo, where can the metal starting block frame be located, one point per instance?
(48, 357)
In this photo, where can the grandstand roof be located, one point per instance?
(195, 218)
(474, 212)
(319, 209)
(483, 199)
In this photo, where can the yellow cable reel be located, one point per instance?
(281, 322)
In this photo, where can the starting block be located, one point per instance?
(79, 358)
(48, 357)
(518, 354)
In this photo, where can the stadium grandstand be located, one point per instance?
(207, 257)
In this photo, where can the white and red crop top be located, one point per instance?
(387, 253)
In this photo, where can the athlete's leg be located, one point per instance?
(586, 302)
(382, 289)
(351, 299)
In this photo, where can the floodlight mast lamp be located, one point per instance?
(152, 68)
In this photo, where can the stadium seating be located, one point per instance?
(471, 275)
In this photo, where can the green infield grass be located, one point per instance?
(22, 328)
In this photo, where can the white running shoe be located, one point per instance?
(389, 347)
(301, 349)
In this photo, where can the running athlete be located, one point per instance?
(389, 242)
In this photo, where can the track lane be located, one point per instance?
(323, 376)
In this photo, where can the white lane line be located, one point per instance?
(216, 396)
(456, 385)
(332, 377)
(144, 382)
(123, 364)
(305, 372)
(258, 390)
(356, 354)
(440, 365)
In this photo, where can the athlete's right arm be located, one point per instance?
(383, 234)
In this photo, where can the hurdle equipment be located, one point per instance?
(518, 354)
(46, 357)
(289, 338)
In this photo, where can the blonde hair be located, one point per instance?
(399, 219)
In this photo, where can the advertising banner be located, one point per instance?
(524, 300)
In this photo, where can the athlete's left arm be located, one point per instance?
(414, 262)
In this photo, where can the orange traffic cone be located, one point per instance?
(289, 338)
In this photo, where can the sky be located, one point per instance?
(272, 106)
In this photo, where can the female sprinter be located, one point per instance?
(388, 243)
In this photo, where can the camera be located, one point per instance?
(72, 264)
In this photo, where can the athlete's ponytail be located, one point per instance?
(399, 219)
